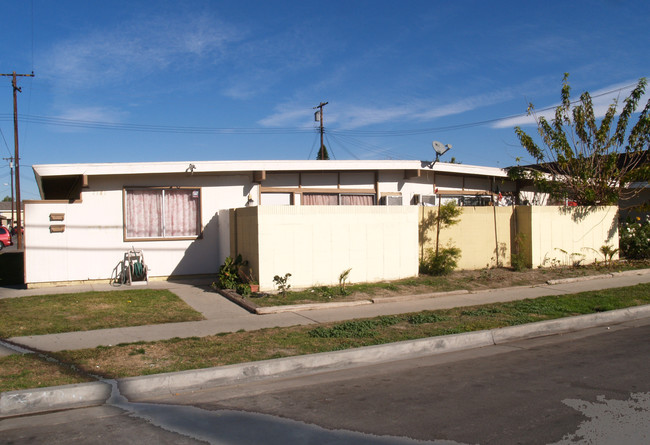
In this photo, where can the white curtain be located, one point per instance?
(143, 214)
(181, 213)
(161, 213)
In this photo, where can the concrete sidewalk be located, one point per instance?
(224, 316)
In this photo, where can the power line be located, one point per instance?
(56, 121)
(46, 120)
(5, 141)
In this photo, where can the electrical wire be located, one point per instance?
(46, 120)
(5, 141)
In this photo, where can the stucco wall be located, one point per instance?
(481, 233)
(563, 235)
(93, 244)
(316, 243)
(549, 235)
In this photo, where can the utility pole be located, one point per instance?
(319, 117)
(11, 169)
(19, 218)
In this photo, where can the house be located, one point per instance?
(6, 216)
(178, 213)
(313, 219)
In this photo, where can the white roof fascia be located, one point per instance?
(207, 167)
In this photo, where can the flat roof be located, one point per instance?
(208, 167)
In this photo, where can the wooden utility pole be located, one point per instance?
(19, 219)
(11, 170)
(319, 115)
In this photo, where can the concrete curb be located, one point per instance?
(38, 400)
(32, 401)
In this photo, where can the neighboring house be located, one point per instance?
(178, 212)
(6, 217)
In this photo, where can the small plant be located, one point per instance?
(518, 260)
(282, 283)
(608, 253)
(577, 259)
(343, 278)
(442, 262)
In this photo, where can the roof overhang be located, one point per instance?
(57, 179)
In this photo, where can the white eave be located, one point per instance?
(220, 167)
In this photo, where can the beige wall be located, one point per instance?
(550, 235)
(93, 242)
(563, 235)
(316, 243)
(481, 233)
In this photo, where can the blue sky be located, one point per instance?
(134, 80)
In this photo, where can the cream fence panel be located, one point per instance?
(316, 243)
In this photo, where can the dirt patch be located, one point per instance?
(470, 280)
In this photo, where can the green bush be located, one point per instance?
(634, 238)
(232, 274)
(441, 263)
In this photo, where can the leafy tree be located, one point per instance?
(589, 163)
(6, 199)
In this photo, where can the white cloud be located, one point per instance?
(289, 115)
(92, 114)
(467, 104)
(73, 118)
(135, 49)
(601, 100)
(354, 116)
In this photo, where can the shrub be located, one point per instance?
(634, 238)
(518, 259)
(441, 263)
(235, 274)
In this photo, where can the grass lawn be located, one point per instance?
(32, 371)
(177, 354)
(50, 314)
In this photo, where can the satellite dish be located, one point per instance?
(440, 148)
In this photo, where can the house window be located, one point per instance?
(357, 200)
(153, 213)
(333, 199)
(320, 199)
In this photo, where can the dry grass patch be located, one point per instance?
(31, 371)
(472, 280)
(50, 314)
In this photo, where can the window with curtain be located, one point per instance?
(357, 200)
(162, 213)
(320, 199)
(333, 199)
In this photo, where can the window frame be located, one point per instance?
(339, 195)
(199, 218)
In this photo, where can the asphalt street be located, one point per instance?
(591, 385)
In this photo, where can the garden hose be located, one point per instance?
(137, 269)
